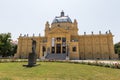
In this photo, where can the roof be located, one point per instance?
(62, 18)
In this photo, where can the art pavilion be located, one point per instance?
(62, 41)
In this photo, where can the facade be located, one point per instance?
(61, 37)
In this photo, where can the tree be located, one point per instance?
(5, 45)
(117, 49)
(13, 49)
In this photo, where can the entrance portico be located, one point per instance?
(58, 45)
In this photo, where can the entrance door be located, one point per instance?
(53, 50)
(58, 48)
(64, 49)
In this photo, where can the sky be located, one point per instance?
(29, 16)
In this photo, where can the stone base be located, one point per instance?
(67, 58)
(31, 65)
(42, 58)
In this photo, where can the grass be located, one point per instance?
(56, 71)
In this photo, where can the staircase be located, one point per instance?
(56, 56)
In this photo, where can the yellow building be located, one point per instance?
(62, 41)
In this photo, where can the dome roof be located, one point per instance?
(62, 19)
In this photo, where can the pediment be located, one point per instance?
(57, 30)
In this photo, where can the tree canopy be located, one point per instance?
(117, 48)
(6, 47)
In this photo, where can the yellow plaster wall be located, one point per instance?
(94, 46)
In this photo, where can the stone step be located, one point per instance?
(56, 56)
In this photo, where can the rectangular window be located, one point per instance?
(58, 39)
(63, 39)
(74, 49)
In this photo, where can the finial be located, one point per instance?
(39, 35)
(47, 22)
(27, 35)
(84, 33)
(24, 35)
(20, 34)
(92, 32)
(62, 13)
(75, 21)
(109, 31)
(106, 32)
(99, 32)
(33, 34)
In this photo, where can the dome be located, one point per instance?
(62, 19)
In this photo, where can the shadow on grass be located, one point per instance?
(6, 78)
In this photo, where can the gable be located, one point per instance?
(56, 30)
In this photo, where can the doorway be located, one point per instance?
(58, 48)
(64, 49)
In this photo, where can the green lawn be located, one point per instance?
(56, 71)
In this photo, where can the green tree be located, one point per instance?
(13, 49)
(117, 49)
(5, 45)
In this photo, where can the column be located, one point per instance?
(61, 48)
(55, 48)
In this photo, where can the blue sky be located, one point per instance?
(30, 16)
